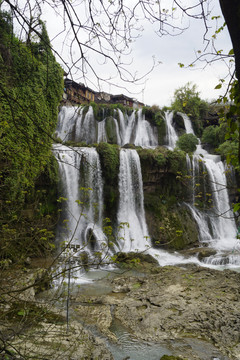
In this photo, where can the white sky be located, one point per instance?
(168, 76)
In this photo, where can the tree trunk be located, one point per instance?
(231, 13)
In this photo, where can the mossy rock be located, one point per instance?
(129, 146)
(109, 158)
(162, 159)
(124, 257)
(111, 130)
(170, 226)
(133, 260)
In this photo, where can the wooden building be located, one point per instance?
(122, 99)
(77, 93)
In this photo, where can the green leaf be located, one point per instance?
(21, 312)
(236, 207)
(231, 52)
(218, 86)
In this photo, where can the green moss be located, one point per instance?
(170, 226)
(156, 117)
(102, 111)
(165, 186)
(163, 159)
(111, 130)
(161, 126)
(109, 157)
(30, 314)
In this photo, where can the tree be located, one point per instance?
(231, 13)
(187, 100)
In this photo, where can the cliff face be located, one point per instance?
(166, 189)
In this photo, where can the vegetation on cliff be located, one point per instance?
(109, 157)
(187, 143)
(187, 100)
(166, 185)
(31, 84)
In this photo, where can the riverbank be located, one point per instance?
(191, 311)
(190, 304)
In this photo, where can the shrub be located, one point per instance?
(209, 136)
(187, 143)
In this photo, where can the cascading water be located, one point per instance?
(81, 225)
(187, 124)
(68, 119)
(80, 168)
(171, 136)
(146, 135)
(75, 125)
(133, 233)
(217, 226)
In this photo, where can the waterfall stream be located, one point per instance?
(217, 227)
(171, 136)
(133, 233)
(81, 225)
(83, 211)
(77, 125)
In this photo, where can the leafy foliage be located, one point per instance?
(187, 143)
(188, 101)
(214, 135)
(229, 128)
(164, 159)
(29, 94)
(31, 84)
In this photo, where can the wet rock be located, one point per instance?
(179, 303)
(201, 253)
(50, 341)
(134, 260)
(206, 252)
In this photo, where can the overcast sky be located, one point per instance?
(160, 84)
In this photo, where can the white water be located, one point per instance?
(128, 129)
(80, 167)
(172, 136)
(217, 226)
(133, 233)
(187, 124)
(146, 135)
(81, 176)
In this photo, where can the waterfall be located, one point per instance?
(81, 225)
(133, 233)
(80, 171)
(76, 125)
(68, 119)
(146, 135)
(216, 223)
(171, 136)
(187, 123)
